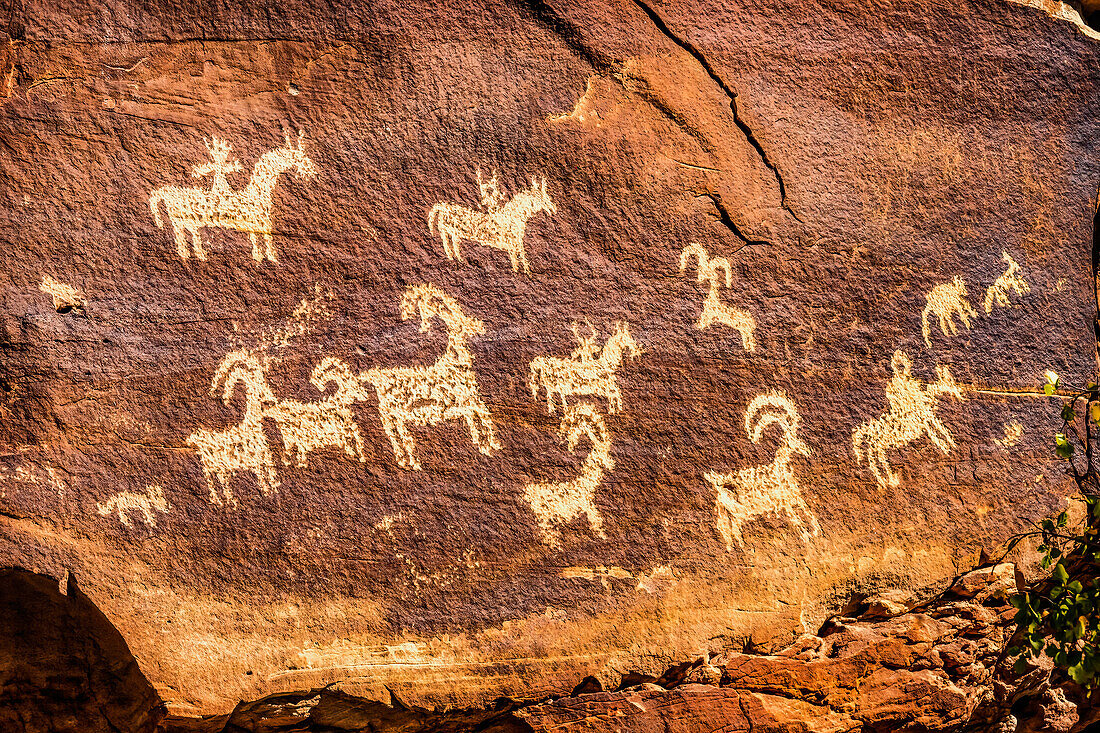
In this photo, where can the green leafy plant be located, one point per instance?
(1060, 616)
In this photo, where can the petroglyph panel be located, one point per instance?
(476, 435)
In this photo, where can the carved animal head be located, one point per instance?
(297, 159)
(694, 249)
(621, 337)
(583, 420)
(541, 198)
(242, 367)
(429, 301)
(958, 286)
(775, 408)
(945, 383)
(349, 388)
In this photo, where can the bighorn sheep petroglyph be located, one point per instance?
(714, 310)
(329, 422)
(587, 371)
(558, 503)
(445, 390)
(247, 210)
(773, 488)
(500, 226)
(912, 414)
(240, 447)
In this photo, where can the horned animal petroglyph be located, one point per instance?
(1009, 280)
(445, 390)
(144, 502)
(912, 415)
(714, 310)
(501, 225)
(247, 210)
(584, 372)
(946, 300)
(754, 492)
(558, 503)
(329, 422)
(240, 447)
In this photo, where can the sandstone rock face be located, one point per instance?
(463, 352)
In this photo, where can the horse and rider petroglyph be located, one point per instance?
(246, 210)
(912, 415)
(500, 225)
(588, 371)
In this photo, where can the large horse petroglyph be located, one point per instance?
(912, 415)
(559, 503)
(714, 310)
(445, 390)
(945, 301)
(1009, 280)
(144, 502)
(329, 422)
(243, 447)
(247, 210)
(589, 370)
(501, 225)
(760, 490)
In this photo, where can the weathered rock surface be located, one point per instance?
(211, 411)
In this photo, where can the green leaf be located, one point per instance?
(1060, 574)
(1064, 516)
(1020, 665)
(1079, 674)
(1068, 412)
(1048, 389)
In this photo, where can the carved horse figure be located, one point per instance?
(714, 310)
(247, 210)
(912, 415)
(558, 503)
(583, 372)
(501, 226)
(445, 390)
(773, 488)
(240, 447)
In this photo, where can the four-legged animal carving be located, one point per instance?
(714, 310)
(240, 447)
(501, 226)
(124, 502)
(583, 372)
(307, 426)
(912, 415)
(1009, 280)
(559, 503)
(760, 490)
(247, 210)
(445, 390)
(945, 301)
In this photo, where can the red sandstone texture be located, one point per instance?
(210, 409)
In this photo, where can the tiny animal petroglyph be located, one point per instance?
(754, 492)
(558, 503)
(242, 447)
(329, 422)
(710, 271)
(445, 390)
(912, 415)
(589, 370)
(1009, 281)
(146, 502)
(65, 296)
(500, 225)
(246, 210)
(945, 301)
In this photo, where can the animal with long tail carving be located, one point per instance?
(445, 390)
(773, 488)
(912, 415)
(246, 210)
(500, 226)
(243, 447)
(1008, 281)
(710, 270)
(589, 370)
